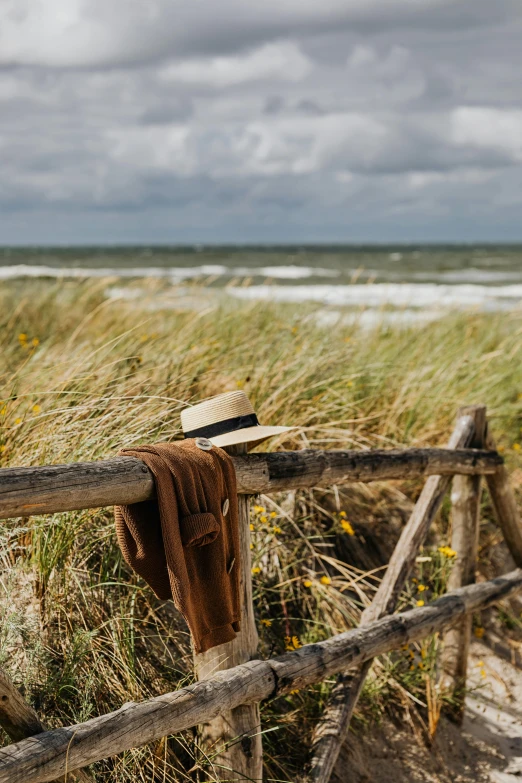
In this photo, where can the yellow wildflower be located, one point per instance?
(240, 384)
(296, 690)
(263, 519)
(273, 514)
(343, 514)
(483, 673)
(3, 449)
(4, 410)
(36, 408)
(307, 583)
(447, 551)
(412, 667)
(480, 663)
(259, 509)
(22, 337)
(350, 383)
(266, 623)
(325, 580)
(251, 546)
(256, 570)
(479, 632)
(293, 642)
(516, 447)
(18, 420)
(420, 602)
(421, 588)
(35, 342)
(252, 526)
(346, 526)
(276, 530)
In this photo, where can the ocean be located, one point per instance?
(412, 283)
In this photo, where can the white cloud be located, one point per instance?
(284, 113)
(283, 60)
(162, 148)
(266, 148)
(87, 33)
(302, 145)
(489, 128)
(393, 63)
(52, 32)
(391, 75)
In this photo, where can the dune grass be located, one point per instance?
(83, 375)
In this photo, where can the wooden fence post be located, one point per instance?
(19, 721)
(465, 515)
(233, 739)
(505, 506)
(333, 727)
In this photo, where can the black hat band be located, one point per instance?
(222, 427)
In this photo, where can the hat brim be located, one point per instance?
(248, 435)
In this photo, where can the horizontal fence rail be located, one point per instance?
(125, 480)
(50, 754)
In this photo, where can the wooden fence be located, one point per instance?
(232, 682)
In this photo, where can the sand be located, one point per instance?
(486, 749)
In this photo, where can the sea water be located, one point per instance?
(419, 281)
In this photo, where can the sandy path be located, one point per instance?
(487, 749)
(494, 711)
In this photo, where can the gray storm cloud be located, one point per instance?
(340, 120)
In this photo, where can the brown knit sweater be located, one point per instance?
(181, 543)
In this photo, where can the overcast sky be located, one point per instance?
(260, 120)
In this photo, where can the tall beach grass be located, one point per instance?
(83, 375)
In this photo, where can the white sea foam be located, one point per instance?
(295, 272)
(469, 275)
(169, 273)
(290, 272)
(283, 272)
(369, 319)
(393, 294)
(470, 288)
(173, 298)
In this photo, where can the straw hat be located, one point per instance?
(226, 420)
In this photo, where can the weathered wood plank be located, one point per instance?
(505, 506)
(124, 480)
(52, 488)
(236, 730)
(465, 517)
(19, 720)
(44, 757)
(332, 730)
(282, 470)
